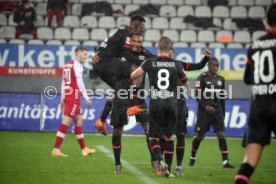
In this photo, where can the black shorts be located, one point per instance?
(261, 121)
(143, 117)
(182, 116)
(205, 120)
(162, 117)
(120, 105)
(106, 69)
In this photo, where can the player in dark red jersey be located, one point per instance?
(210, 93)
(260, 74)
(71, 90)
(109, 53)
(164, 74)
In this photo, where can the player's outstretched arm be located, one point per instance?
(201, 64)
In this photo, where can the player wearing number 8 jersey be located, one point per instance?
(260, 74)
(164, 74)
(71, 89)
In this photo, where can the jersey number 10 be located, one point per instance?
(259, 65)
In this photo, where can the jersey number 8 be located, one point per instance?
(163, 79)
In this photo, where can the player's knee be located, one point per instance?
(200, 136)
(168, 138)
(117, 131)
(220, 135)
(145, 126)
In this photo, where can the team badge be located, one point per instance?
(219, 83)
(197, 84)
(141, 57)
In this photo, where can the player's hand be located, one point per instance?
(88, 103)
(210, 109)
(207, 53)
(61, 105)
(95, 57)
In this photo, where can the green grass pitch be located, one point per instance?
(25, 158)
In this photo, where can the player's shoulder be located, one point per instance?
(221, 77)
(202, 75)
(70, 64)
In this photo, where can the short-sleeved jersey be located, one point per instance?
(164, 74)
(115, 44)
(261, 65)
(210, 86)
(72, 70)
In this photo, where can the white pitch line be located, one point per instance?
(130, 167)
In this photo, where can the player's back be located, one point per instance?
(164, 74)
(261, 69)
(115, 43)
(72, 70)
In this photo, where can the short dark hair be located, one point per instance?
(137, 18)
(213, 59)
(271, 15)
(137, 34)
(80, 49)
(165, 44)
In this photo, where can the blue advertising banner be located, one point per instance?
(33, 112)
(14, 55)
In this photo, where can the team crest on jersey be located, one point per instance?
(197, 84)
(219, 83)
(128, 40)
(141, 57)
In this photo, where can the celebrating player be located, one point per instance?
(260, 74)
(210, 90)
(108, 55)
(71, 89)
(164, 74)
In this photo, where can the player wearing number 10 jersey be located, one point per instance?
(71, 89)
(164, 74)
(260, 74)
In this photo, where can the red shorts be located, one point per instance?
(71, 109)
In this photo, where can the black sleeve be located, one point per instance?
(248, 68)
(222, 100)
(146, 66)
(17, 15)
(181, 74)
(33, 16)
(196, 66)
